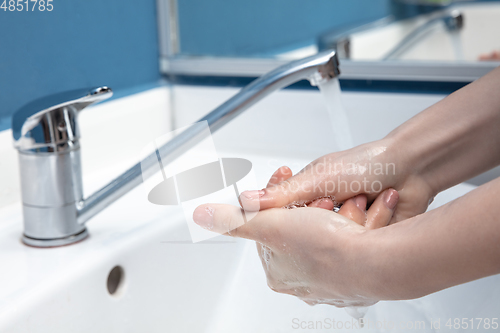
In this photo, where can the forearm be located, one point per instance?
(453, 244)
(455, 139)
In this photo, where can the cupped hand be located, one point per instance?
(367, 169)
(379, 214)
(312, 252)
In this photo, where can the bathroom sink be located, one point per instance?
(166, 283)
(170, 284)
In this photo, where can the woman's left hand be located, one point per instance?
(312, 253)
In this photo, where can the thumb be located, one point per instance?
(271, 225)
(230, 220)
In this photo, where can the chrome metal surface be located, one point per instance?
(55, 242)
(357, 70)
(343, 48)
(46, 136)
(453, 20)
(54, 211)
(49, 124)
(172, 62)
(51, 186)
(320, 66)
(168, 28)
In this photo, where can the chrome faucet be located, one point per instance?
(46, 135)
(453, 21)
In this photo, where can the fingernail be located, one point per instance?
(204, 217)
(326, 204)
(391, 198)
(285, 170)
(253, 195)
(361, 202)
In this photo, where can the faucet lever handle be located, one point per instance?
(49, 124)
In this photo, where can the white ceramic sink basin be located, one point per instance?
(170, 284)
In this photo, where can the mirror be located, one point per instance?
(360, 30)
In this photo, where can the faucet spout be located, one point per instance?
(59, 217)
(452, 20)
(323, 66)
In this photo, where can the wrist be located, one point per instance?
(411, 165)
(370, 257)
(385, 266)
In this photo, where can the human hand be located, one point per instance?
(492, 56)
(367, 169)
(312, 253)
(354, 208)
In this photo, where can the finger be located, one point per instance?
(280, 175)
(381, 211)
(227, 219)
(281, 194)
(355, 209)
(325, 203)
(247, 199)
(271, 225)
(303, 187)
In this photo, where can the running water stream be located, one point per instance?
(341, 131)
(342, 135)
(456, 43)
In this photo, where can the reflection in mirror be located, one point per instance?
(364, 30)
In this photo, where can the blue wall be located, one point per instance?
(264, 27)
(253, 27)
(81, 43)
(84, 43)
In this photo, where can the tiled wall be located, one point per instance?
(80, 43)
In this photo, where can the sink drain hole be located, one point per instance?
(115, 281)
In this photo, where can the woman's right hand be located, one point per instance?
(367, 169)
(438, 148)
(309, 252)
